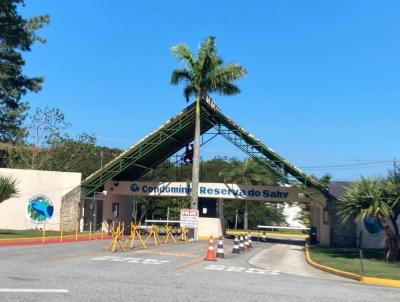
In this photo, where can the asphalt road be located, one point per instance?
(86, 272)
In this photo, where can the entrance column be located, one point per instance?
(220, 203)
(319, 218)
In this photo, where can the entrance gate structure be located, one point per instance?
(174, 135)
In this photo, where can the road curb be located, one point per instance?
(380, 281)
(367, 280)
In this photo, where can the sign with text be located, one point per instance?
(208, 190)
(189, 218)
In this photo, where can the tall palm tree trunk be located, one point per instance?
(392, 242)
(196, 157)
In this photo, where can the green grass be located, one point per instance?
(348, 260)
(26, 233)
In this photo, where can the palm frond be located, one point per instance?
(392, 190)
(226, 89)
(364, 198)
(189, 91)
(206, 73)
(249, 173)
(228, 73)
(8, 188)
(183, 54)
(208, 49)
(181, 75)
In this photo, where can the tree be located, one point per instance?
(203, 75)
(259, 213)
(369, 198)
(17, 35)
(47, 127)
(50, 147)
(392, 195)
(8, 188)
(248, 173)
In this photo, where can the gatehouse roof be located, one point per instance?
(176, 133)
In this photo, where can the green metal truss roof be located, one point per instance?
(178, 131)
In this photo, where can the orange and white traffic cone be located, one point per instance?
(241, 243)
(211, 251)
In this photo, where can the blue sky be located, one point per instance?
(323, 76)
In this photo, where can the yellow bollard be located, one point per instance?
(102, 233)
(116, 240)
(61, 232)
(184, 232)
(44, 231)
(90, 231)
(168, 232)
(135, 232)
(154, 233)
(76, 231)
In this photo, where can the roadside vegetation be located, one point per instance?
(378, 199)
(348, 259)
(5, 234)
(8, 188)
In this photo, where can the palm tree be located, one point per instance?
(367, 198)
(248, 173)
(203, 75)
(392, 195)
(8, 188)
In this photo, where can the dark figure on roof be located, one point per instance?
(188, 156)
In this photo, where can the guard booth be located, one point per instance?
(93, 213)
(208, 207)
(116, 201)
(171, 137)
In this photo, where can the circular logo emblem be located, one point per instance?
(372, 226)
(39, 208)
(134, 187)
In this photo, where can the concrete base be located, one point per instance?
(209, 227)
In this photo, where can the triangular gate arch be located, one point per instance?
(178, 131)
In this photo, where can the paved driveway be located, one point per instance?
(86, 272)
(289, 258)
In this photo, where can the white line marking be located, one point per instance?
(235, 269)
(33, 290)
(131, 260)
(239, 269)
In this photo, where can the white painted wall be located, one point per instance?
(209, 227)
(372, 241)
(32, 182)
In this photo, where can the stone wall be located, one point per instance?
(342, 234)
(71, 209)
